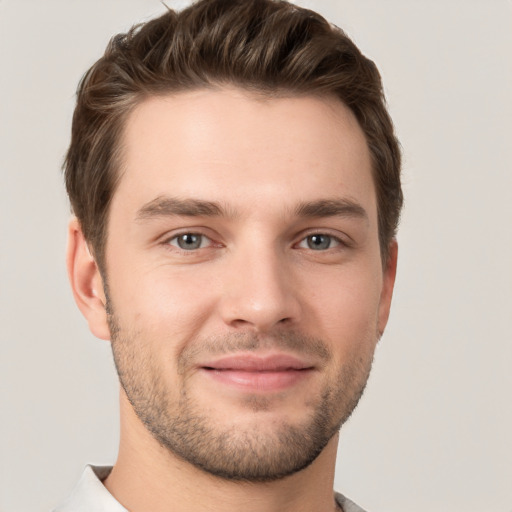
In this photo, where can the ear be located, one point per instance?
(388, 283)
(86, 281)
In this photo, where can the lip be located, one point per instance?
(258, 363)
(258, 373)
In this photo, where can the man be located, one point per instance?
(235, 182)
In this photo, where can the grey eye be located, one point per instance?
(188, 241)
(319, 242)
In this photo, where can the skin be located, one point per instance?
(254, 277)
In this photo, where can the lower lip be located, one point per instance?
(263, 381)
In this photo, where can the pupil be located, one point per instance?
(319, 242)
(189, 241)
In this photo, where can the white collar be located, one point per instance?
(90, 494)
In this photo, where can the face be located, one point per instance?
(245, 285)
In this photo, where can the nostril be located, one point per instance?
(240, 322)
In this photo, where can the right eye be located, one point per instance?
(189, 241)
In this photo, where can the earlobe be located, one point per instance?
(86, 282)
(388, 283)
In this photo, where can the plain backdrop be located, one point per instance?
(433, 432)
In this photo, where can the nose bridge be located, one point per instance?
(259, 288)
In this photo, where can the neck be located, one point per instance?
(147, 476)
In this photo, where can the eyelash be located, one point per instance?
(204, 238)
(331, 239)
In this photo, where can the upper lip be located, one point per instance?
(258, 363)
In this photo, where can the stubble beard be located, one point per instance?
(251, 454)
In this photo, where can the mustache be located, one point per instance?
(288, 341)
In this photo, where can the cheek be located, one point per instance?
(164, 304)
(347, 309)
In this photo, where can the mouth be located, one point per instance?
(253, 373)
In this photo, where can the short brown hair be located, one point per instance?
(269, 46)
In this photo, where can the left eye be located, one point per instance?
(319, 242)
(189, 241)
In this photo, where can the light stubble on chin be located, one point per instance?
(231, 452)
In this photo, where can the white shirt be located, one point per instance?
(90, 495)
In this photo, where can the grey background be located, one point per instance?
(433, 431)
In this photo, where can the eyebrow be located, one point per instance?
(331, 208)
(165, 206)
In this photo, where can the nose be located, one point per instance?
(259, 291)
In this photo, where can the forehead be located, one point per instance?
(232, 146)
